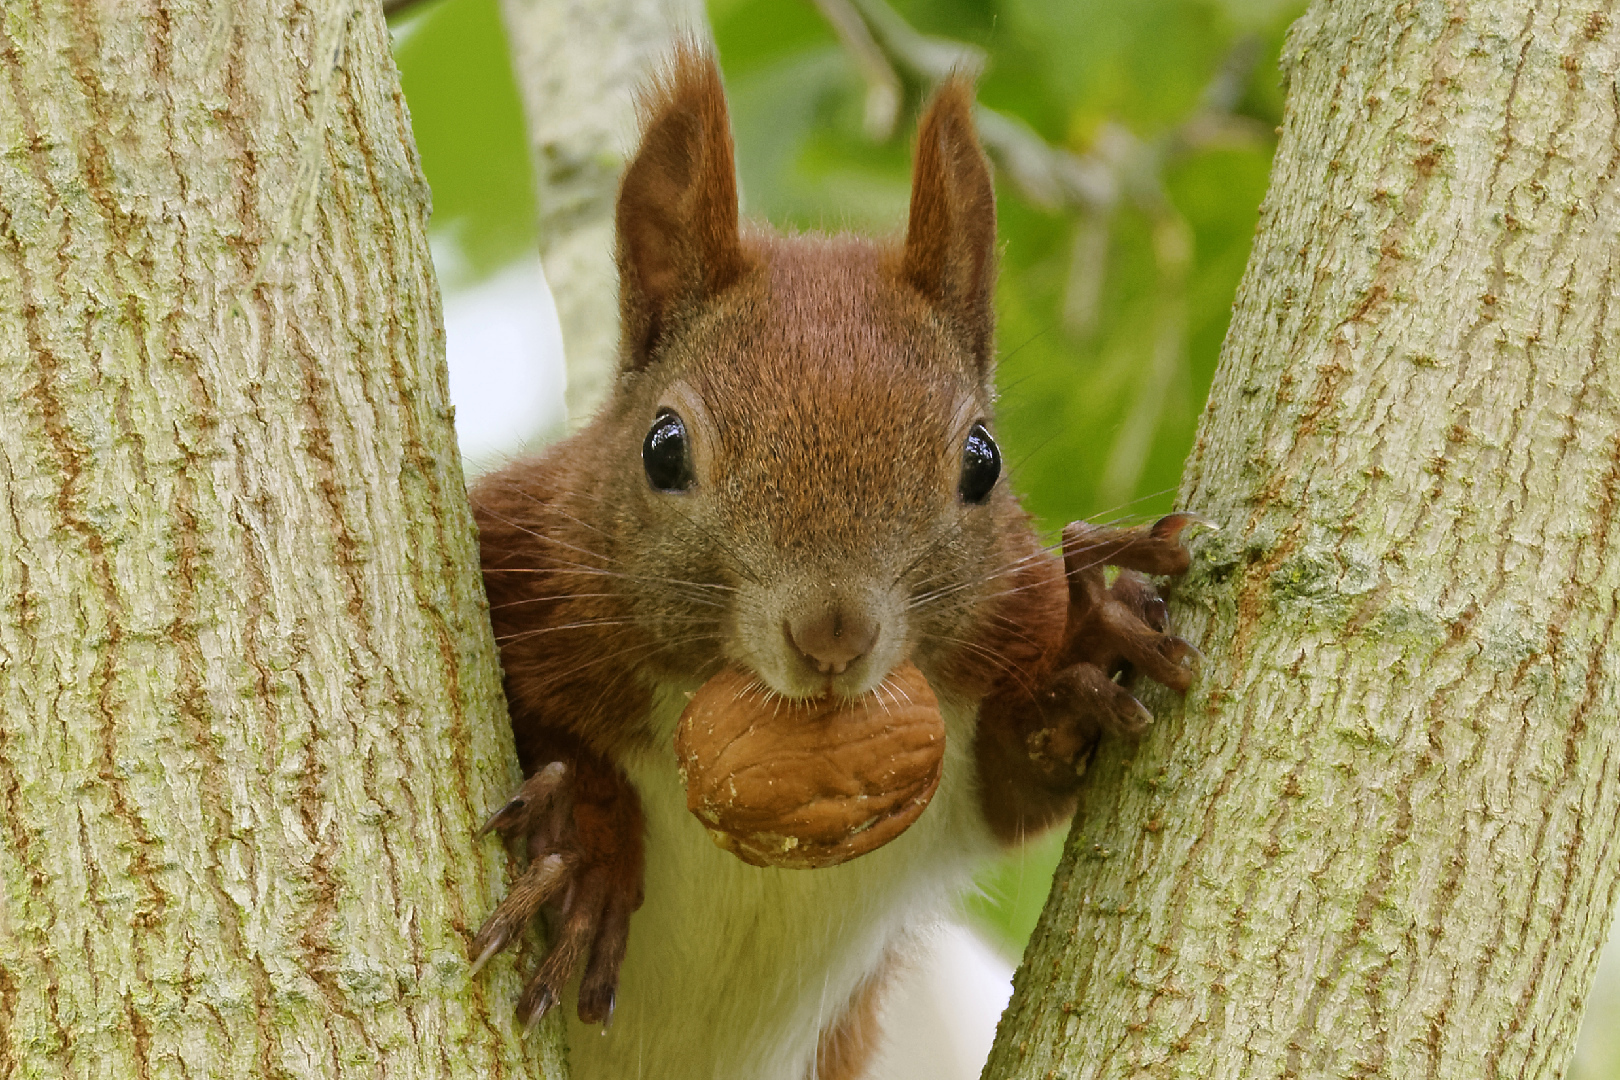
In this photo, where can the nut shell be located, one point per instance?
(807, 784)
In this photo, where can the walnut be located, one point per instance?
(805, 784)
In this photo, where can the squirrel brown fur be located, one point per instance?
(816, 512)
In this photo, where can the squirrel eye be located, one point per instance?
(981, 465)
(664, 454)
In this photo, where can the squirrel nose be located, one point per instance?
(832, 638)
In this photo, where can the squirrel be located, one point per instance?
(795, 473)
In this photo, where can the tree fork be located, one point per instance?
(250, 713)
(1379, 840)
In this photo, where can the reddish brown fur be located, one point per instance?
(951, 237)
(826, 384)
(568, 645)
(676, 217)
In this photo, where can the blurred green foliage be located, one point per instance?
(468, 122)
(1068, 68)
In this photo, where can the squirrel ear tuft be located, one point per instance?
(677, 211)
(951, 238)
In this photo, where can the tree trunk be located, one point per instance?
(1379, 840)
(578, 63)
(250, 712)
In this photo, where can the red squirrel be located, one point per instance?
(796, 474)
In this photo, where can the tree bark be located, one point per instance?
(250, 712)
(1380, 838)
(578, 63)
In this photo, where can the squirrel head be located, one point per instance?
(803, 423)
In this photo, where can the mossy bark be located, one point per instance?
(250, 713)
(1379, 839)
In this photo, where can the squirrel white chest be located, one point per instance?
(732, 970)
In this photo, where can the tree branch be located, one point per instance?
(886, 48)
(1378, 839)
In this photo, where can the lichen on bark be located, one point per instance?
(250, 712)
(1378, 840)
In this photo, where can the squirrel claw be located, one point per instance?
(1171, 526)
(1126, 717)
(581, 824)
(1156, 549)
(536, 794)
(598, 987)
(1116, 631)
(1082, 700)
(543, 1001)
(542, 880)
(494, 946)
(1144, 718)
(1181, 651)
(602, 1013)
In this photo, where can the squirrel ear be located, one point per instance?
(677, 212)
(951, 238)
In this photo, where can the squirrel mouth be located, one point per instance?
(800, 684)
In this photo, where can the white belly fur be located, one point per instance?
(732, 970)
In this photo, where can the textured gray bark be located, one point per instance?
(1380, 838)
(249, 707)
(578, 63)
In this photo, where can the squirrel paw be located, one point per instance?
(1114, 633)
(583, 829)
